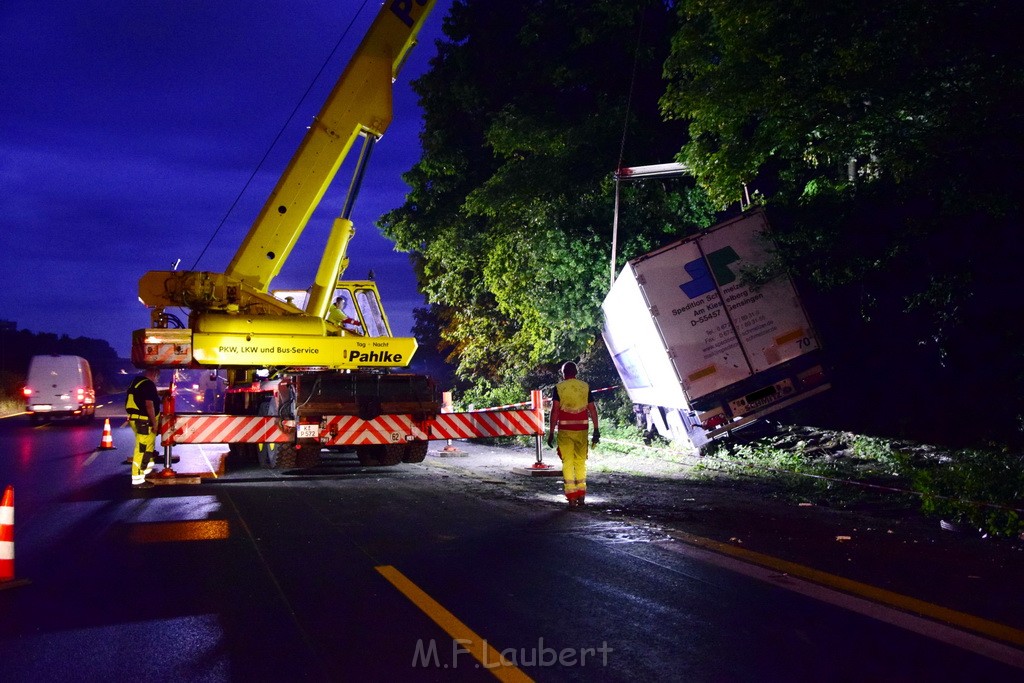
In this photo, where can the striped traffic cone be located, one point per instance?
(7, 535)
(107, 441)
(7, 541)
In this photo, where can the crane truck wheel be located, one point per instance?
(302, 456)
(308, 454)
(415, 451)
(287, 457)
(380, 454)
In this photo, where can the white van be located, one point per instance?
(59, 386)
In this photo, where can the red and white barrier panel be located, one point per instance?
(178, 429)
(486, 424)
(340, 430)
(348, 430)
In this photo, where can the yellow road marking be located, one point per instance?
(169, 532)
(481, 650)
(879, 595)
(209, 465)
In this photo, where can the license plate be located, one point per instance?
(42, 407)
(309, 431)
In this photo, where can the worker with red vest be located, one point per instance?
(143, 407)
(572, 406)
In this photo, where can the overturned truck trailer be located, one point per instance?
(699, 350)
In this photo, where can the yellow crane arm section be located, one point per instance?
(359, 104)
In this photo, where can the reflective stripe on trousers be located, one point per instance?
(145, 450)
(572, 448)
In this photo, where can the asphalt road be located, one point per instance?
(416, 572)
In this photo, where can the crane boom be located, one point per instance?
(359, 104)
(234, 319)
(302, 374)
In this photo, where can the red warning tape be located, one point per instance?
(547, 401)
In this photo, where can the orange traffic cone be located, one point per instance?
(107, 442)
(7, 535)
(7, 541)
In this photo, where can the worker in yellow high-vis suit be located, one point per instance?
(143, 408)
(571, 406)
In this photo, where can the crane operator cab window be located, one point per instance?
(373, 317)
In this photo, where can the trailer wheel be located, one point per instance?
(367, 455)
(415, 451)
(391, 454)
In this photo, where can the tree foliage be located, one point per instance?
(804, 96)
(883, 136)
(17, 347)
(510, 209)
(886, 140)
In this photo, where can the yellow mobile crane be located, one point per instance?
(331, 353)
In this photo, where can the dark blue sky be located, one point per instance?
(128, 128)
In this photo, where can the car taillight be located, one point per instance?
(27, 391)
(253, 388)
(81, 394)
(714, 421)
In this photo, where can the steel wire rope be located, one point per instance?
(280, 132)
(622, 142)
(632, 88)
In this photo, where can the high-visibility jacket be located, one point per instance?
(573, 396)
(142, 389)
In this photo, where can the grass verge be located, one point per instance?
(10, 406)
(978, 488)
